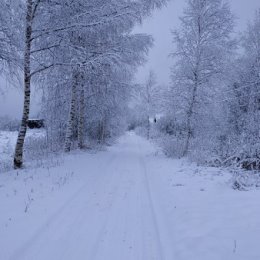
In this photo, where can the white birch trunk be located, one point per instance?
(72, 114)
(190, 115)
(18, 156)
(148, 127)
(81, 123)
(103, 131)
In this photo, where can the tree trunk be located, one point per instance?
(81, 124)
(18, 156)
(190, 114)
(72, 114)
(189, 134)
(103, 130)
(148, 127)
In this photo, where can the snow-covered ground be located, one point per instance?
(126, 203)
(7, 145)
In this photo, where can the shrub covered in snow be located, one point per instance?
(9, 124)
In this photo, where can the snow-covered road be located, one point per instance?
(127, 203)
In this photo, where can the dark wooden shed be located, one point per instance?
(35, 123)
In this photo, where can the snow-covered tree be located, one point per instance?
(4, 35)
(106, 54)
(9, 35)
(147, 98)
(36, 14)
(203, 46)
(60, 33)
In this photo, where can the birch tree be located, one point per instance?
(36, 11)
(50, 23)
(99, 39)
(4, 35)
(117, 57)
(113, 48)
(203, 45)
(9, 36)
(148, 98)
(18, 157)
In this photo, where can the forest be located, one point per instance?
(83, 68)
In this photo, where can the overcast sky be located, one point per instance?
(159, 26)
(165, 20)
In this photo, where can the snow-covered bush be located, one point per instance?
(36, 146)
(9, 124)
(211, 113)
(243, 180)
(171, 146)
(243, 101)
(169, 135)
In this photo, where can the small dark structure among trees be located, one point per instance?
(35, 123)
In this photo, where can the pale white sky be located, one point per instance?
(159, 26)
(164, 21)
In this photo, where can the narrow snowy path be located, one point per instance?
(129, 204)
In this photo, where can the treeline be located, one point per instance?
(210, 112)
(82, 56)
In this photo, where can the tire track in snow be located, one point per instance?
(59, 215)
(152, 210)
(128, 221)
(123, 223)
(159, 216)
(104, 227)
